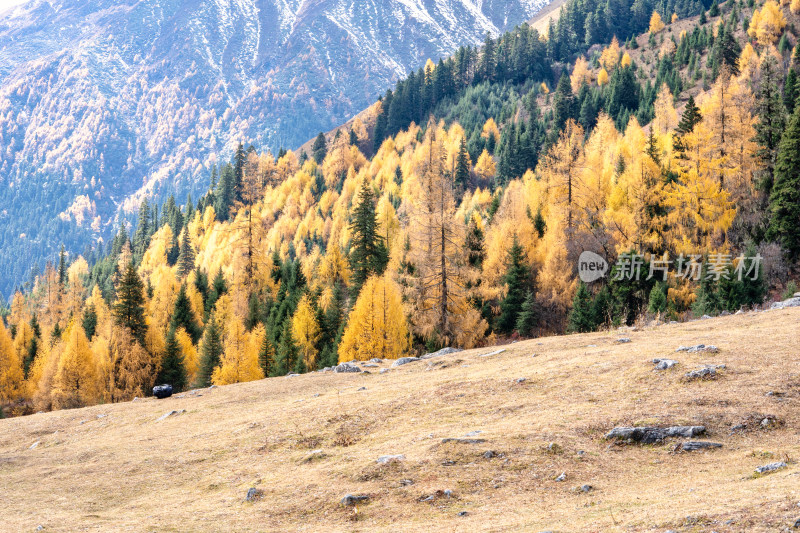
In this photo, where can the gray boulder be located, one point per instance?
(707, 372)
(623, 340)
(463, 441)
(346, 368)
(384, 459)
(254, 494)
(405, 360)
(171, 413)
(495, 352)
(350, 499)
(664, 364)
(698, 348)
(651, 435)
(791, 302)
(443, 351)
(695, 445)
(772, 467)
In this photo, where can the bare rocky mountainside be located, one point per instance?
(105, 101)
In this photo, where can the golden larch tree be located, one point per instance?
(377, 326)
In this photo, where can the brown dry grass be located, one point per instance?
(191, 472)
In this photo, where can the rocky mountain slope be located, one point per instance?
(474, 440)
(102, 102)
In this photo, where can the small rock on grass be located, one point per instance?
(695, 445)
(772, 467)
(623, 340)
(351, 499)
(463, 441)
(664, 364)
(384, 459)
(496, 352)
(405, 360)
(254, 494)
(171, 413)
(562, 477)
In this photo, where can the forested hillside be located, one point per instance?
(103, 103)
(660, 136)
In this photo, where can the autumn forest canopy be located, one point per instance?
(453, 213)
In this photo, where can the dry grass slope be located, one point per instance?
(116, 468)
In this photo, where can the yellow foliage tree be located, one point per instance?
(10, 368)
(486, 168)
(239, 362)
(656, 24)
(377, 325)
(75, 383)
(767, 24)
(674, 18)
(626, 60)
(602, 77)
(306, 331)
(490, 129)
(580, 74)
(610, 55)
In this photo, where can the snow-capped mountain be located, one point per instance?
(102, 101)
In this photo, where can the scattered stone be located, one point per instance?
(695, 445)
(376, 360)
(370, 365)
(489, 454)
(473, 433)
(496, 352)
(254, 494)
(360, 389)
(40, 528)
(292, 375)
(520, 380)
(101, 416)
(585, 488)
(212, 387)
(162, 391)
(705, 317)
(35, 445)
(698, 348)
(313, 456)
(463, 441)
(406, 482)
(651, 435)
(581, 453)
(405, 360)
(346, 368)
(772, 467)
(797, 523)
(171, 413)
(384, 370)
(135, 399)
(385, 459)
(791, 302)
(443, 351)
(464, 513)
(664, 364)
(623, 340)
(707, 372)
(562, 477)
(350, 499)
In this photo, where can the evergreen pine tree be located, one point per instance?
(528, 316)
(517, 280)
(462, 165)
(286, 357)
(225, 194)
(183, 316)
(129, 308)
(62, 267)
(368, 255)
(89, 321)
(210, 353)
(172, 371)
(320, 148)
(690, 118)
(784, 202)
(790, 90)
(582, 317)
(771, 120)
(266, 356)
(563, 103)
(186, 256)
